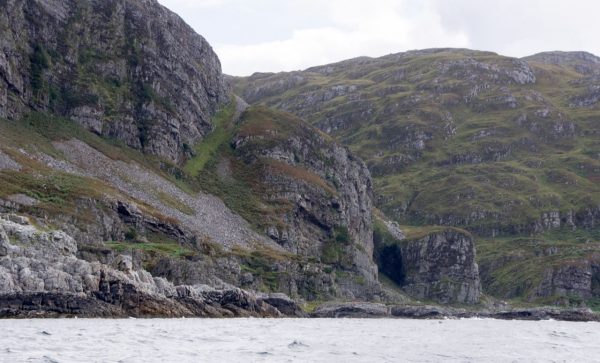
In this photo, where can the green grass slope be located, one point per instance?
(506, 148)
(455, 137)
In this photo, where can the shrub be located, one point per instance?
(342, 235)
(131, 234)
(39, 62)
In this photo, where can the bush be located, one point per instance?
(341, 234)
(39, 62)
(131, 234)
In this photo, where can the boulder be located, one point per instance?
(351, 310)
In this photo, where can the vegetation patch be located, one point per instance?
(299, 173)
(336, 251)
(262, 264)
(153, 244)
(40, 61)
(208, 148)
(418, 232)
(57, 192)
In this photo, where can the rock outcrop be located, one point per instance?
(130, 70)
(573, 283)
(437, 265)
(351, 310)
(442, 267)
(372, 310)
(327, 190)
(42, 276)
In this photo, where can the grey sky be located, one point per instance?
(277, 35)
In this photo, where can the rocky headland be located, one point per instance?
(135, 182)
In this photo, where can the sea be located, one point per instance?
(297, 340)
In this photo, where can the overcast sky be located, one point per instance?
(284, 35)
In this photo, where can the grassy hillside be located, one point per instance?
(53, 169)
(508, 149)
(454, 136)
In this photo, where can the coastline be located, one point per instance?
(67, 306)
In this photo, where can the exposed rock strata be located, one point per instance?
(130, 69)
(441, 266)
(330, 193)
(438, 266)
(41, 276)
(371, 310)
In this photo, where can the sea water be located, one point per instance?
(297, 340)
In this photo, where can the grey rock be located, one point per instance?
(423, 311)
(439, 266)
(24, 221)
(43, 277)
(7, 163)
(351, 310)
(569, 280)
(335, 197)
(394, 230)
(442, 267)
(283, 303)
(157, 83)
(22, 200)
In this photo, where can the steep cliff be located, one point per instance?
(437, 264)
(131, 70)
(303, 234)
(118, 132)
(133, 182)
(323, 192)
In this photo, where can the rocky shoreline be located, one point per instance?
(373, 310)
(241, 304)
(134, 182)
(41, 276)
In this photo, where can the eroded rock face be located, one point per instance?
(436, 264)
(329, 189)
(129, 69)
(442, 266)
(570, 281)
(40, 275)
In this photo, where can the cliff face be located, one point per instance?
(200, 190)
(118, 131)
(441, 267)
(442, 129)
(437, 264)
(130, 70)
(325, 193)
(42, 275)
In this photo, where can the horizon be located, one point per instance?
(271, 36)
